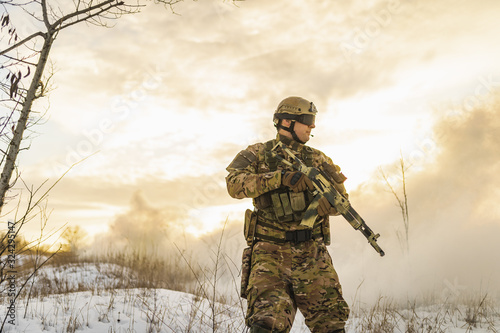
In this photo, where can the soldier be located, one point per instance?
(290, 266)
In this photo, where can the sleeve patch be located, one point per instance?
(242, 160)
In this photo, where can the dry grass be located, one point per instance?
(467, 313)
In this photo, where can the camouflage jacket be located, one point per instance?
(250, 175)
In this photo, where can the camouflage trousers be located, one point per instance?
(288, 276)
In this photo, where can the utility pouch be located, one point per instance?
(325, 230)
(278, 207)
(298, 201)
(337, 176)
(246, 265)
(249, 226)
(263, 201)
(282, 207)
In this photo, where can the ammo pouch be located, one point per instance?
(249, 226)
(287, 206)
(246, 265)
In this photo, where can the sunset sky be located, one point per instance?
(165, 101)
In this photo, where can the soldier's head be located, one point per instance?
(295, 117)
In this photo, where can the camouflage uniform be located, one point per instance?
(288, 270)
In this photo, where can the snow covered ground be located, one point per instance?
(106, 306)
(122, 310)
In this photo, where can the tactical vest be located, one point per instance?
(277, 210)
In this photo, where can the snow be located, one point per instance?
(134, 310)
(107, 306)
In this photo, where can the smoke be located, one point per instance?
(160, 232)
(143, 229)
(453, 213)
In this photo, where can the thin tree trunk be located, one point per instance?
(15, 143)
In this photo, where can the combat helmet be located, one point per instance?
(295, 109)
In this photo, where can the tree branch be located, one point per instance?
(86, 11)
(91, 15)
(44, 13)
(27, 39)
(18, 61)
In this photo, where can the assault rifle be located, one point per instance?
(323, 187)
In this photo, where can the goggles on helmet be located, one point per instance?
(306, 119)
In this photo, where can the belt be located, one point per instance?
(267, 231)
(299, 236)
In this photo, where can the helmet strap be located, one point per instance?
(290, 129)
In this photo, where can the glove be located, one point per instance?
(325, 208)
(297, 181)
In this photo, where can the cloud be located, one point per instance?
(93, 202)
(216, 59)
(185, 192)
(283, 44)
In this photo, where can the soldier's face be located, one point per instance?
(303, 131)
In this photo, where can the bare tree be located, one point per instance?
(24, 60)
(402, 200)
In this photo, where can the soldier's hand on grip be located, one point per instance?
(297, 181)
(325, 208)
